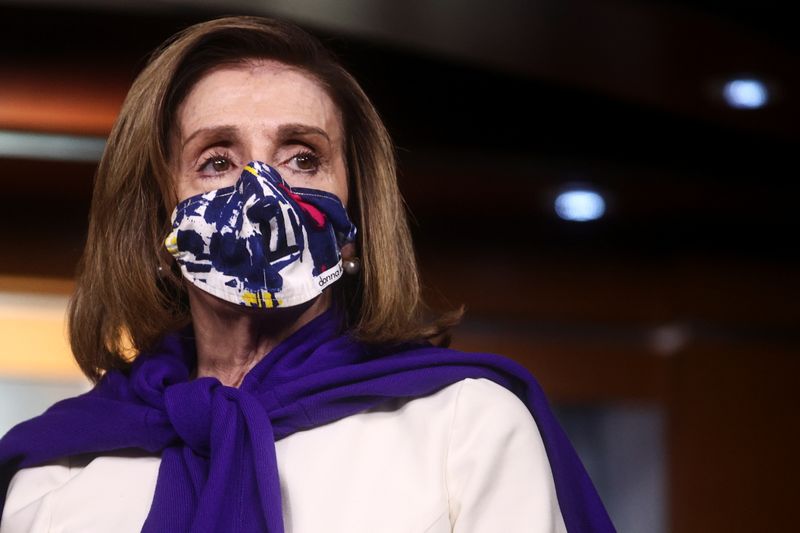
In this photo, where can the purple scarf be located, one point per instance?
(218, 469)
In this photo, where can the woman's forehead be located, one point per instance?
(259, 94)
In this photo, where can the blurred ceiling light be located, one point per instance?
(26, 145)
(669, 339)
(580, 205)
(745, 94)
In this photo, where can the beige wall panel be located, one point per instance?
(33, 339)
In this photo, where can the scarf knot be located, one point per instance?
(190, 407)
(229, 445)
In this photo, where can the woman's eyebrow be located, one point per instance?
(213, 131)
(287, 131)
(283, 133)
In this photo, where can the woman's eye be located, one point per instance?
(304, 162)
(216, 164)
(220, 164)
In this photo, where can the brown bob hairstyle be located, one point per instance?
(129, 294)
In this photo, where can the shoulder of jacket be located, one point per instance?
(486, 394)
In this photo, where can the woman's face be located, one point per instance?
(263, 111)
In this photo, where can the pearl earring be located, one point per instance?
(352, 266)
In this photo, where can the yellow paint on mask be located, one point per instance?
(250, 299)
(171, 243)
(261, 299)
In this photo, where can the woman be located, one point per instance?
(261, 362)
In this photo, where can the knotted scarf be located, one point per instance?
(218, 467)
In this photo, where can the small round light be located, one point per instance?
(580, 205)
(745, 94)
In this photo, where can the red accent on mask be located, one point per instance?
(317, 216)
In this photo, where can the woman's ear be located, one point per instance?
(350, 262)
(166, 264)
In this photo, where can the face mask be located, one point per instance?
(261, 243)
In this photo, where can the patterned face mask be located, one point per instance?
(261, 243)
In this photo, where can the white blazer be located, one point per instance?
(468, 458)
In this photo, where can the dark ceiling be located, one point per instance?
(484, 146)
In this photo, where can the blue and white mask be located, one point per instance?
(261, 243)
